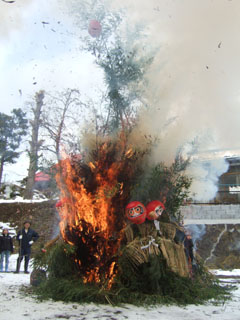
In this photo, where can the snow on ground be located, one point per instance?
(38, 196)
(15, 305)
(232, 273)
(20, 199)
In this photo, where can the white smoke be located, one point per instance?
(196, 231)
(205, 177)
(12, 16)
(193, 83)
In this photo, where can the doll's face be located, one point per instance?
(136, 212)
(154, 209)
(158, 210)
(155, 213)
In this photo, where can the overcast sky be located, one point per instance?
(39, 50)
(194, 78)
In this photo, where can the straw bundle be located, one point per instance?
(175, 257)
(168, 230)
(135, 254)
(146, 229)
(129, 234)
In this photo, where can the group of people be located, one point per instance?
(26, 237)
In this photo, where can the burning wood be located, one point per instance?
(50, 243)
(93, 217)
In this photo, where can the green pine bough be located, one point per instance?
(152, 284)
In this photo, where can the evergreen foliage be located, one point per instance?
(58, 262)
(123, 72)
(168, 184)
(122, 66)
(12, 129)
(152, 284)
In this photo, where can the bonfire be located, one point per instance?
(94, 196)
(112, 248)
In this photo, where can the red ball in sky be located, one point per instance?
(94, 28)
(154, 209)
(136, 212)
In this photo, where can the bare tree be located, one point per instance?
(34, 144)
(60, 120)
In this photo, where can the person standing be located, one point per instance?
(6, 248)
(26, 238)
(188, 245)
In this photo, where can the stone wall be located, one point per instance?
(217, 243)
(211, 213)
(215, 229)
(219, 247)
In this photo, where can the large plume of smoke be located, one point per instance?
(193, 87)
(192, 93)
(11, 16)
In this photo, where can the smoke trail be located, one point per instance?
(197, 231)
(205, 177)
(193, 81)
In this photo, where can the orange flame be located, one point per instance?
(92, 216)
(94, 196)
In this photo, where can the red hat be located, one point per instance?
(136, 212)
(154, 209)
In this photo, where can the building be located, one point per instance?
(229, 183)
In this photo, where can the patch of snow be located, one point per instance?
(234, 190)
(12, 230)
(13, 192)
(12, 268)
(15, 303)
(20, 199)
(233, 273)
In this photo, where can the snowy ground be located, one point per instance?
(15, 305)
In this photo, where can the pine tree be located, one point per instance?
(122, 65)
(12, 129)
(123, 72)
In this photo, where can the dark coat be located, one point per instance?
(188, 244)
(6, 243)
(24, 244)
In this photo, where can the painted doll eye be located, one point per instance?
(159, 210)
(131, 212)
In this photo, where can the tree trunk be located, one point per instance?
(61, 124)
(1, 169)
(34, 145)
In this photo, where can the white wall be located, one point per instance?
(211, 214)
